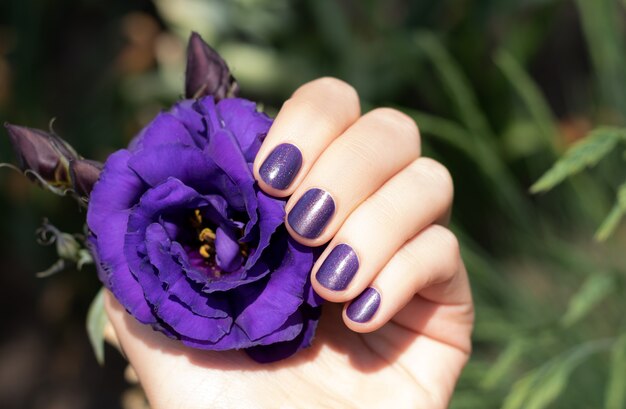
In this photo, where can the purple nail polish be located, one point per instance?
(311, 213)
(363, 307)
(339, 268)
(281, 166)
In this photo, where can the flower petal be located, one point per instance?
(281, 350)
(175, 314)
(107, 216)
(272, 215)
(248, 125)
(268, 307)
(156, 164)
(165, 129)
(228, 253)
(170, 273)
(192, 120)
(224, 150)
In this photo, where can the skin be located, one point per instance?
(392, 207)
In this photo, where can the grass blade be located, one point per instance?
(596, 288)
(484, 149)
(584, 154)
(615, 397)
(544, 385)
(531, 96)
(613, 219)
(606, 44)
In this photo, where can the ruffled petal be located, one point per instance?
(249, 126)
(170, 273)
(271, 215)
(224, 150)
(276, 351)
(107, 216)
(156, 164)
(268, 307)
(192, 120)
(175, 314)
(165, 129)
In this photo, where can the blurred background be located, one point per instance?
(500, 90)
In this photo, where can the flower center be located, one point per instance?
(206, 242)
(206, 236)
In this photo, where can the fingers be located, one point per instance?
(413, 199)
(316, 114)
(354, 166)
(428, 265)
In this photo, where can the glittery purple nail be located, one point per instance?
(339, 268)
(363, 307)
(281, 166)
(312, 213)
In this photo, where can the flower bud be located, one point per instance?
(207, 73)
(49, 160)
(84, 173)
(42, 153)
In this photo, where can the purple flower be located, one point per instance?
(187, 242)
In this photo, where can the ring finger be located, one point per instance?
(419, 195)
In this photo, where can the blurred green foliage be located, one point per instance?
(500, 89)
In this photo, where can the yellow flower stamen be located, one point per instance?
(205, 251)
(206, 235)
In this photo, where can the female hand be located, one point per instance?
(402, 337)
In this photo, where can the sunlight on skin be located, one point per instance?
(392, 367)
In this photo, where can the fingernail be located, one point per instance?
(363, 308)
(339, 268)
(281, 166)
(311, 213)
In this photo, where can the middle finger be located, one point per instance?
(353, 167)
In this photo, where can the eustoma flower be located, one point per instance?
(187, 242)
(179, 230)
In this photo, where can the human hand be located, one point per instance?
(403, 334)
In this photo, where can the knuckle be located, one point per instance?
(436, 172)
(331, 87)
(387, 210)
(360, 149)
(449, 247)
(400, 123)
(337, 87)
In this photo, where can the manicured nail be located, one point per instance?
(339, 268)
(363, 308)
(311, 213)
(281, 167)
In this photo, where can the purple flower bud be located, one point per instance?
(84, 173)
(46, 158)
(42, 153)
(207, 73)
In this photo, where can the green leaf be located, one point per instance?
(615, 397)
(543, 385)
(592, 292)
(602, 26)
(586, 153)
(612, 220)
(484, 148)
(456, 84)
(507, 361)
(96, 321)
(531, 96)
(443, 129)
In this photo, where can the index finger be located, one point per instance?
(316, 114)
